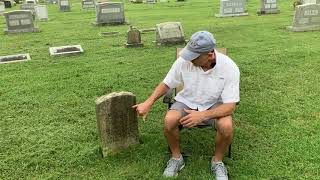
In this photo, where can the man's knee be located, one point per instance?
(224, 126)
(171, 120)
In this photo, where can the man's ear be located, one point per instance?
(211, 55)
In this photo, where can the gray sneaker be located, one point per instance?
(173, 167)
(219, 170)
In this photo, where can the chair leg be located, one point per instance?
(229, 151)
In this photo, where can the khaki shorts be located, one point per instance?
(179, 106)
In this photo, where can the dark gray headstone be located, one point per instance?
(8, 4)
(117, 122)
(268, 7)
(306, 18)
(19, 21)
(110, 13)
(230, 8)
(64, 5)
(169, 33)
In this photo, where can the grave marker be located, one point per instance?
(268, 7)
(41, 12)
(133, 38)
(306, 18)
(19, 21)
(14, 58)
(117, 122)
(229, 8)
(65, 50)
(169, 33)
(109, 13)
(64, 5)
(88, 4)
(310, 1)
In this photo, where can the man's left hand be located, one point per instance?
(192, 119)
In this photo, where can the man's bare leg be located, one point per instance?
(171, 132)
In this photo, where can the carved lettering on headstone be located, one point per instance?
(306, 18)
(19, 21)
(232, 8)
(110, 13)
(169, 33)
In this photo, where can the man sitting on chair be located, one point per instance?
(209, 95)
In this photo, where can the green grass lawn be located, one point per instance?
(47, 105)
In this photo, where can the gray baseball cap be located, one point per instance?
(200, 42)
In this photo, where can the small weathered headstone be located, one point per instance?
(229, 8)
(147, 30)
(64, 5)
(2, 8)
(268, 7)
(88, 4)
(14, 58)
(65, 50)
(117, 122)
(306, 18)
(169, 33)
(19, 21)
(133, 38)
(109, 13)
(41, 12)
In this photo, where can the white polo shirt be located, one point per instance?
(201, 89)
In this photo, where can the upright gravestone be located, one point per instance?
(29, 7)
(169, 33)
(88, 4)
(19, 21)
(31, 2)
(2, 8)
(232, 8)
(310, 1)
(41, 12)
(117, 122)
(306, 18)
(268, 7)
(109, 13)
(64, 5)
(133, 38)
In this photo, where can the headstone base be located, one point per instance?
(134, 45)
(261, 12)
(230, 15)
(95, 23)
(117, 147)
(14, 58)
(6, 31)
(301, 29)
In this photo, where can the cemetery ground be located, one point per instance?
(48, 121)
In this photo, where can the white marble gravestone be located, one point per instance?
(306, 18)
(64, 5)
(41, 12)
(169, 33)
(268, 7)
(109, 13)
(229, 8)
(19, 21)
(2, 8)
(88, 4)
(117, 122)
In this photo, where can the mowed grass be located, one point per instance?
(47, 105)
